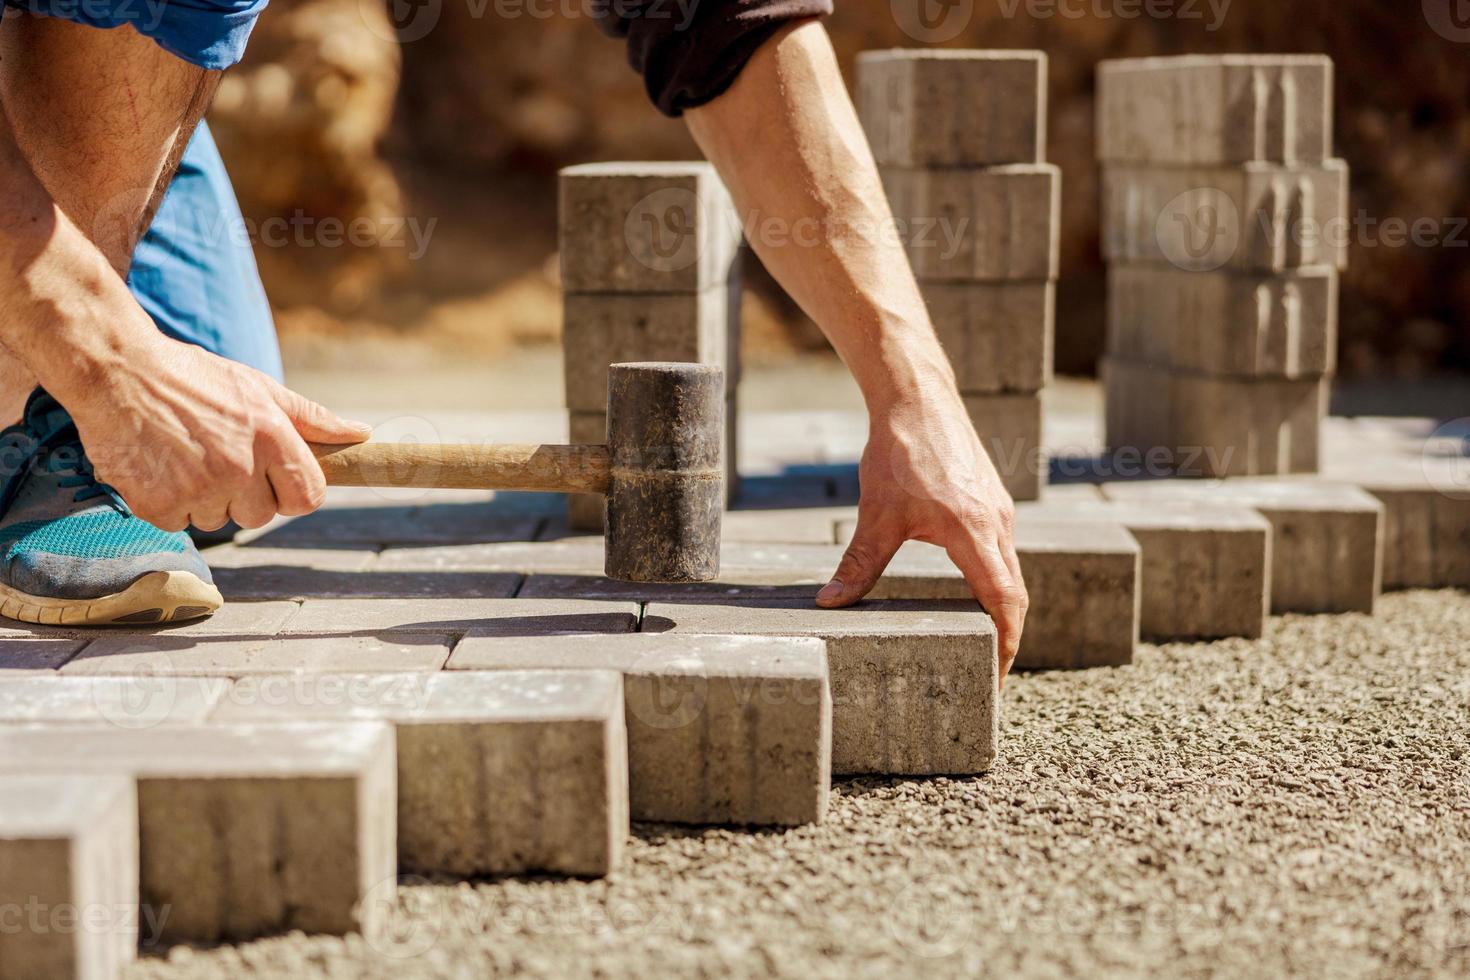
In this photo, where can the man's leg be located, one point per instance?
(194, 271)
(103, 117)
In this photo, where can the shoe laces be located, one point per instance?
(59, 451)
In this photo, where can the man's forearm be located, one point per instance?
(789, 145)
(65, 313)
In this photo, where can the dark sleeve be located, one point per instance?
(690, 51)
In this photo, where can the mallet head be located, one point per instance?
(666, 492)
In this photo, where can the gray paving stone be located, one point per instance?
(920, 107)
(637, 227)
(1282, 325)
(1246, 217)
(721, 729)
(230, 656)
(126, 702)
(25, 657)
(979, 224)
(792, 525)
(1205, 568)
(244, 831)
(600, 329)
(999, 335)
(515, 617)
(1205, 425)
(1426, 515)
(498, 772)
(1084, 584)
(1326, 539)
(69, 842)
(582, 553)
(1215, 109)
(914, 684)
(1010, 429)
(434, 523)
(232, 619)
(291, 573)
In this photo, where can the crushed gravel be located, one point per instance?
(1297, 805)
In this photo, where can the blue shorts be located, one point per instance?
(207, 33)
(194, 270)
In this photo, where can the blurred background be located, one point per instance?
(431, 148)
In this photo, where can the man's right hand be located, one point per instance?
(188, 437)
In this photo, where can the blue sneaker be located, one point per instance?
(71, 553)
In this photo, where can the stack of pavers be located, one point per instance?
(650, 260)
(960, 138)
(1224, 227)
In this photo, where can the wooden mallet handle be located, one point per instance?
(553, 469)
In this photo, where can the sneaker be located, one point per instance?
(71, 552)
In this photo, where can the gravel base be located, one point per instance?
(1294, 805)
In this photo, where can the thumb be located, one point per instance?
(862, 564)
(316, 423)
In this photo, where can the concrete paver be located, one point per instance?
(1282, 325)
(721, 729)
(919, 107)
(1215, 109)
(1269, 218)
(1205, 568)
(979, 224)
(126, 702)
(914, 684)
(498, 772)
(68, 876)
(239, 656)
(372, 617)
(244, 830)
(1326, 539)
(21, 657)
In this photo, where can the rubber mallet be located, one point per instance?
(660, 470)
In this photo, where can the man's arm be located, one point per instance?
(92, 123)
(787, 142)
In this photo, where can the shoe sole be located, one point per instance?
(158, 597)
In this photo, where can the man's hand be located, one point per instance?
(926, 477)
(191, 438)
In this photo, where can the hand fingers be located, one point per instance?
(992, 583)
(255, 505)
(870, 551)
(316, 423)
(210, 520)
(297, 480)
